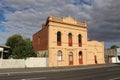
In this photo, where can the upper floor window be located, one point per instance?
(79, 40)
(58, 38)
(70, 39)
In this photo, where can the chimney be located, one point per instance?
(43, 26)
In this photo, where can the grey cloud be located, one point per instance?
(29, 15)
(105, 24)
(70, 10)
(19, 4)
(102, 16)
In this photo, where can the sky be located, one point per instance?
(25, 17)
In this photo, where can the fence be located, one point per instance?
(21, 63)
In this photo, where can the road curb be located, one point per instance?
(56, 69)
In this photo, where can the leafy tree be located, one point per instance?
(114, 46)
(29, 49)
(14, 41)
(20, 48)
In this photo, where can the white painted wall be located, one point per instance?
(12, 63)
(115, 60)
(1, 49)
(1, 53)
(36, 62)
(21, 63)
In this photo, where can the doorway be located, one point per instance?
(80, 58)
(95, 58)
(70, 58)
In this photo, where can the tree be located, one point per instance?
(14, 41)
(114, 46)
(20, 48)
(29, 49)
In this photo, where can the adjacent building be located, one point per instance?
(112, 55)
(64, 42)
(4, 52)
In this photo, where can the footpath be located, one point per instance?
(49, 69)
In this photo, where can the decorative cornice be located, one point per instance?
(69, 28)
(67, 21)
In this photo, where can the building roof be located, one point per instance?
(4, 46)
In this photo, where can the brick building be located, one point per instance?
(64, 41)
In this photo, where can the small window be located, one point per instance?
(59, 56)
(58, 38)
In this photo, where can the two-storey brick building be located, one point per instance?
(64, 41)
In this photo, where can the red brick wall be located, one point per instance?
(40, 40)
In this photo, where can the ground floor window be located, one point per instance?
(118, 57)
(59, 55)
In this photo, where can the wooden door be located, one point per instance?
(80, 58)
(70, 58)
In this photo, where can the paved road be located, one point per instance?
(96, 73)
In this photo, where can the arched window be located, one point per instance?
(59, 55)
(70, 39)
(58, 38)
(79, 40)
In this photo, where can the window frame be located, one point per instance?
(59, 55)
(58, 38)
(70, 39)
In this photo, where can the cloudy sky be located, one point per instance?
(26, 16)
